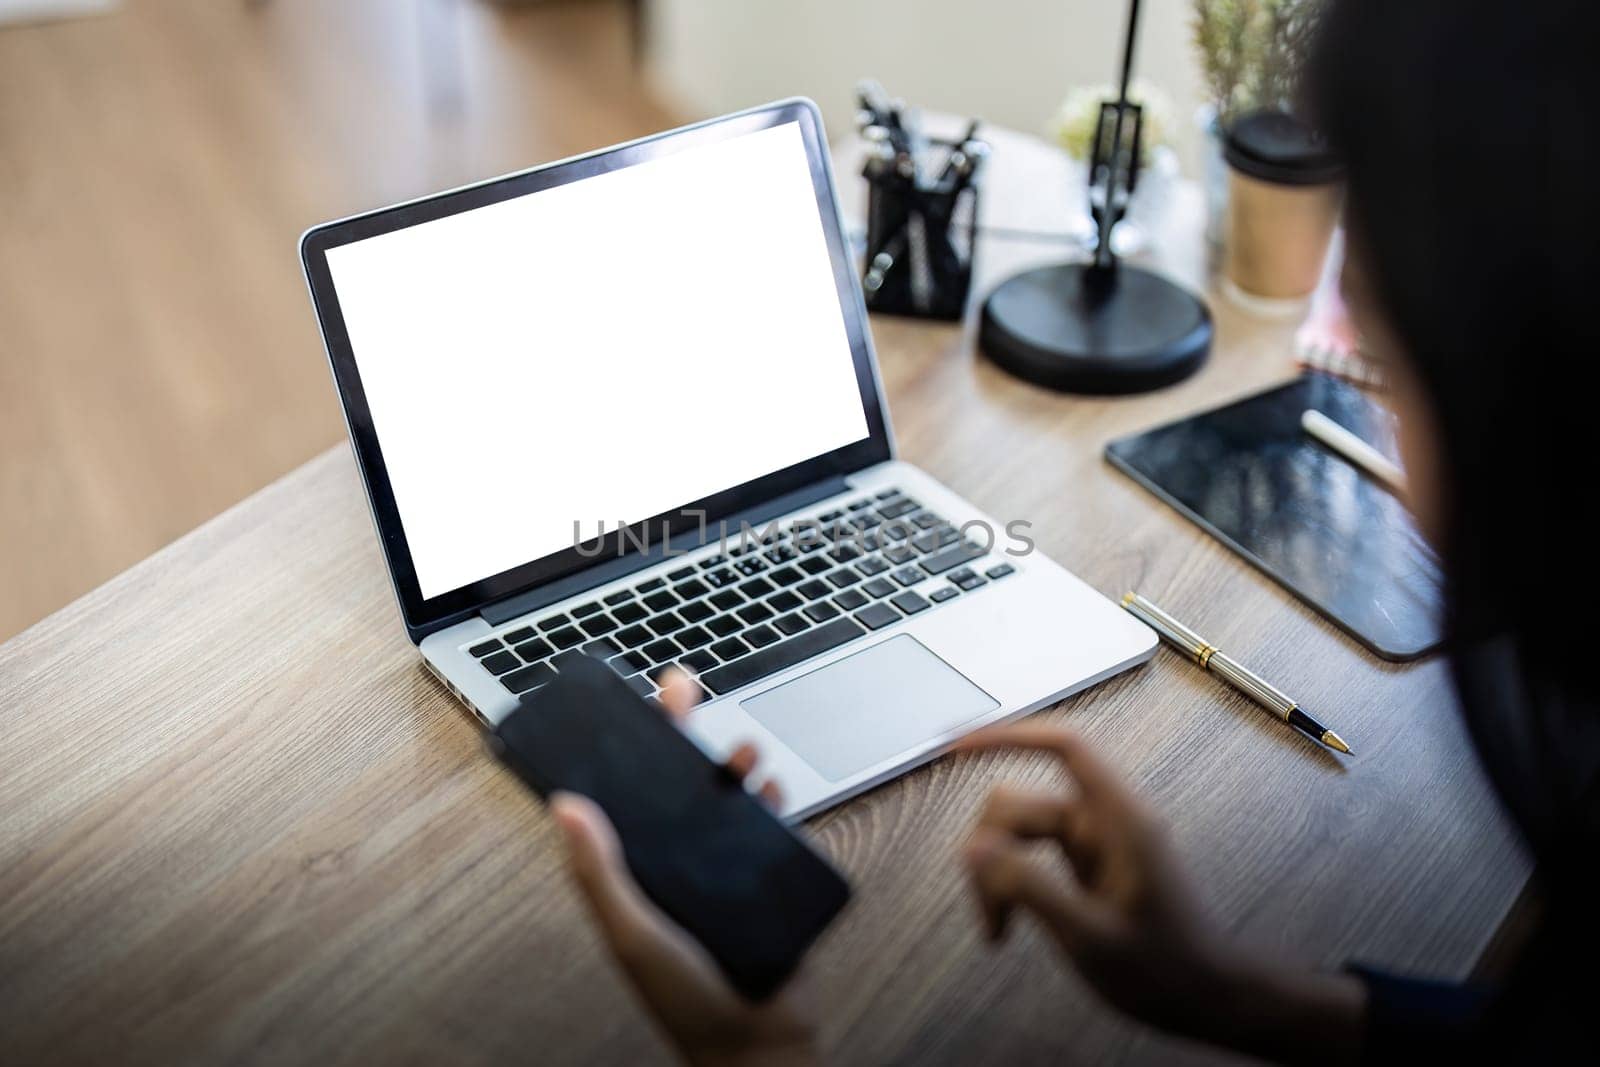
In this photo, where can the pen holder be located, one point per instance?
(920, 232)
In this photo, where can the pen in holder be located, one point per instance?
(922, 211)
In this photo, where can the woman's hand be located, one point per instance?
(674, 976)
(1123, 913)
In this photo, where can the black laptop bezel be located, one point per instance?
(425, 615)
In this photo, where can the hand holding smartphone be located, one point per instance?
(708, 854)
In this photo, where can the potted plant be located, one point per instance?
(1266, 164)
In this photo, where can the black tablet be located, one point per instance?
(1319, 526)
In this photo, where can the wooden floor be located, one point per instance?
(158, 356)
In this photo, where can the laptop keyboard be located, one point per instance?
(764, 607)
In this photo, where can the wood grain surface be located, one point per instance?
(239, 822)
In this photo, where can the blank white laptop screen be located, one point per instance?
(609, 349)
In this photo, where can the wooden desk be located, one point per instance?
(239, 823)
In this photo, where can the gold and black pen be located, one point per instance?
(1213, 659)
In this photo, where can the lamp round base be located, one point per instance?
(1065, 328)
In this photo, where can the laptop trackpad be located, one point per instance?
(866, 708)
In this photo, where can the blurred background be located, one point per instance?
(159, 360)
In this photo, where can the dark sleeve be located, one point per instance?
(1414, 1018)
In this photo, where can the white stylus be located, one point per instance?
(1354, 449)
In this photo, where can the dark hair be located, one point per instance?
(1469, 133)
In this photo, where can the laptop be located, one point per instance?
(626, 406)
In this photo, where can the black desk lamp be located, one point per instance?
(1101, 326)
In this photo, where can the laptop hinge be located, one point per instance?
(611, 569)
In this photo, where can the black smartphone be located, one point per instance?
(711, 856)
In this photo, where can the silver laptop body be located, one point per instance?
(531, 368)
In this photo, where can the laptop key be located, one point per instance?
(629, 613)
(680, 574)
(732, 648)
(899, 555)
(720, 577)
(898, 507)
(781, 656)
(823, 611)
(630, 663)
(879, 588)
(484, 649)
(760, 636)
(757, 587)
(954, 556)
(886, 494)
(723, 625)
(926, 520)
(727, 600)
(753, 613)
(699, 660)
(520, 634)
(665, 624)
(784, 601)
(971, 582)
(691, 589)
(660, 601)
(909, 602)
(501, 662)
(877, 616)
(555, 622)
(859, 504)
(791, 623)
(662, 650)
(604, 648)
(785, 576)
(600, 624)
(850, 599)
(712, 561)
(814, 590)
(699, 611)
(634, 636)
(620, 596)
(534, 650)
(528, 678)
(872, 566)
(641, 684)
(583, 611)
(567, 637)
(563, 661)
(651, 586)
(750, 565)
(842, 577)
(1000, 570)
(941, 595)
(693, 637)
(908, 576)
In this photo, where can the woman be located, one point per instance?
(1469, 135)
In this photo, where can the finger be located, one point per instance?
(1092, 775)
(595, 857)
(743, 761)
(1031, 815)
(1005, 879)
(771, 795)
(1024, 813)
(679, 693)
(671, 971)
